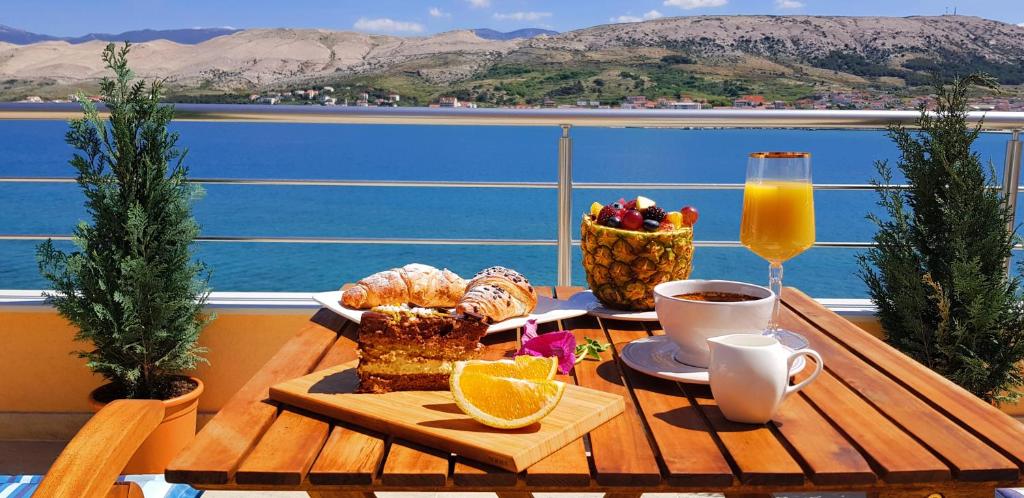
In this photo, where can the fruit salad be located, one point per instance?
(641, 214)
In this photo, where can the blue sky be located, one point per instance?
(406, 17)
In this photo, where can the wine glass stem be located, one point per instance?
(775, 284)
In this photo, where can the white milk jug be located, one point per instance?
(749, 375)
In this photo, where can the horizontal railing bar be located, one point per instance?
(316, 182)
(422, 241)
(726, 118)
(460, 184)
(328, 240)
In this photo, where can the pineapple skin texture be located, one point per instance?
(623, 266)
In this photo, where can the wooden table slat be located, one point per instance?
(983, 419)
(970, 458)
(759, 457)
(689, 453)
(288, 448)
(219, 448)
(894, 454)
(286, 451)
(620, 449)
(409, 464)
(351, 456)
(828, 456)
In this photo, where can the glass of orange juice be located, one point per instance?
(778, 213)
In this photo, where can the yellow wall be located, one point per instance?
(38, 373)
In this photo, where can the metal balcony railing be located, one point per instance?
(1012, 122)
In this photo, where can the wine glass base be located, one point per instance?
(788, 338)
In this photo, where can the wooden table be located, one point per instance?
(874, 421)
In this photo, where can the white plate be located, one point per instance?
(655, 356)
(547, 310)
(589, 302)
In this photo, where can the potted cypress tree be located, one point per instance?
(131, 286)
(938, 273)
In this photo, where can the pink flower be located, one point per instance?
(561, 344)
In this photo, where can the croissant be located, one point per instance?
(497, 294)
(416, 284)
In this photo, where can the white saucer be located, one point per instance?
(589, 302)
(655, 356)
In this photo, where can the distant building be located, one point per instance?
(549, 103)
(299, 93)
(311, 94)
(254, 97)
(448, 101)
(325, 100)
(779, 104)
(749, 101)
(683, 105)
(269, 100)
(394, 97)
(364, 96)
(362, 103)
(35, 99)
(327, 89)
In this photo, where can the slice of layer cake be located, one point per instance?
(412, 349)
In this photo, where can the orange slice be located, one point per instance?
(503, 401)
(521, 367)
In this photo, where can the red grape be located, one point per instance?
(690, 215)
(632, 220)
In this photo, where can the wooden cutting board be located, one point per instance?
(433, 419)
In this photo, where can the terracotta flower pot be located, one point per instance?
(169, 438)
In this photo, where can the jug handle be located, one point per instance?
(818, 366)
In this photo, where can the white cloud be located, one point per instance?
(788, 4)
(694, 4)
(477, 4)
(436, 12)
(1021, 24)
(653, 14)
(521, 16)
(387, 25)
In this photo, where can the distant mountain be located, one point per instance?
(189, 36)
(717, 58)
(20, 36)
(490, 34)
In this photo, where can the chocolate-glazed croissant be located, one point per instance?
(498, 293)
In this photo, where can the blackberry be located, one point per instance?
(654, 213)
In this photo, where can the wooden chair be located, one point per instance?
(92, 461)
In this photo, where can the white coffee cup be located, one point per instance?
(749, 375)
(689, 324)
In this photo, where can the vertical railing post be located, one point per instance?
(1011, 179)
(565, 207)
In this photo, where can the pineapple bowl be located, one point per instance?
(624, 265)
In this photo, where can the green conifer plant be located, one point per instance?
(131, 287)
(938, 273)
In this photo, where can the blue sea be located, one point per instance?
(467, 153)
